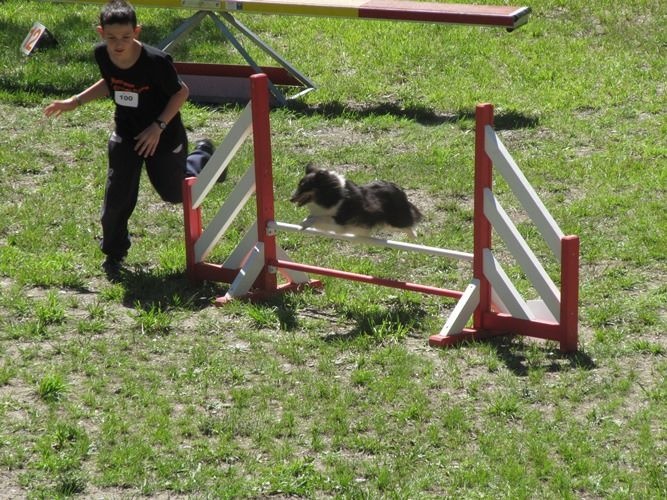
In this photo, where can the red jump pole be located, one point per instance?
(569, 299)
(261, 130)
(481, 225)
(364, 278)
(193, 227)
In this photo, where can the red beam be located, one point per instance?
(569, 300)
(364, 278)
(278, 76)
(508, 324)
(482, 226)
(261, 136)
(193, 226)
(433, 12)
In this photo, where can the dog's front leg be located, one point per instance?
(307, 222)
(410, 233)
(321, 222)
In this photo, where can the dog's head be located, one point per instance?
(322, 187)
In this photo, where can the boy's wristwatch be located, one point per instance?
(161, 124)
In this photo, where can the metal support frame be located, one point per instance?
(184, 29)
(272, 53)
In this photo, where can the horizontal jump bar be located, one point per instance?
(443, 13)
(364, 278)
(397, 245)
(391, 10)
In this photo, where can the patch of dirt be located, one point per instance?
(10, 489)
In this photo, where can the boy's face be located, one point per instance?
(119, 39)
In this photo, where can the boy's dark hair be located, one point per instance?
(118, 12)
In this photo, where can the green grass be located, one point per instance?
(142, 387)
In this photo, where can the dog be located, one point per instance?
(339, 205)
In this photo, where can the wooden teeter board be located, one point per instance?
(393, 10)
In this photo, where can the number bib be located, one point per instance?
(127, 99)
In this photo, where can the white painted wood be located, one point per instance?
(503, 286)
(505, 164)
(541, 312)
(497, 303)
(369, 240)
(226, 215)
(244, 248)
(520, 250)
(248, 274)
(236, 259)
(222, 156)
(463, 311)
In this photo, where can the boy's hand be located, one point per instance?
(56, 108)
(148, 140)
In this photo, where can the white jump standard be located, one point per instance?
(491, 301)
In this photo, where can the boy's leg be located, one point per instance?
(120, 197)
(166, 169)
(171, 164)
(200, 155)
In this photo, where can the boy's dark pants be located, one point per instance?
(166, 170)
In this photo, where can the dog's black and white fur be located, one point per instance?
(339, 205)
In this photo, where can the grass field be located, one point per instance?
(142, 387)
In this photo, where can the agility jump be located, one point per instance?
(394, 10)
(490, 300)
(225, 82)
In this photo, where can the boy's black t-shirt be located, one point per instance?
(141, 92)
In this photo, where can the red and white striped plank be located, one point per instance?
(393, 10)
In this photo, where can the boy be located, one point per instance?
(148, 95)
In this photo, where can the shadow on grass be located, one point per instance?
(146, 289)
(285, 308)
(395, 321)
(519, 356)
(31, 91)
(503, 120)
(38, 90)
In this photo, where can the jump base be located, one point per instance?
(259, 295)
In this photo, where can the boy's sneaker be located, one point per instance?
(113, 268)
(207, 146)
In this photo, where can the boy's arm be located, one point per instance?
(95, 91)
(148, 140)
(174, 104)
